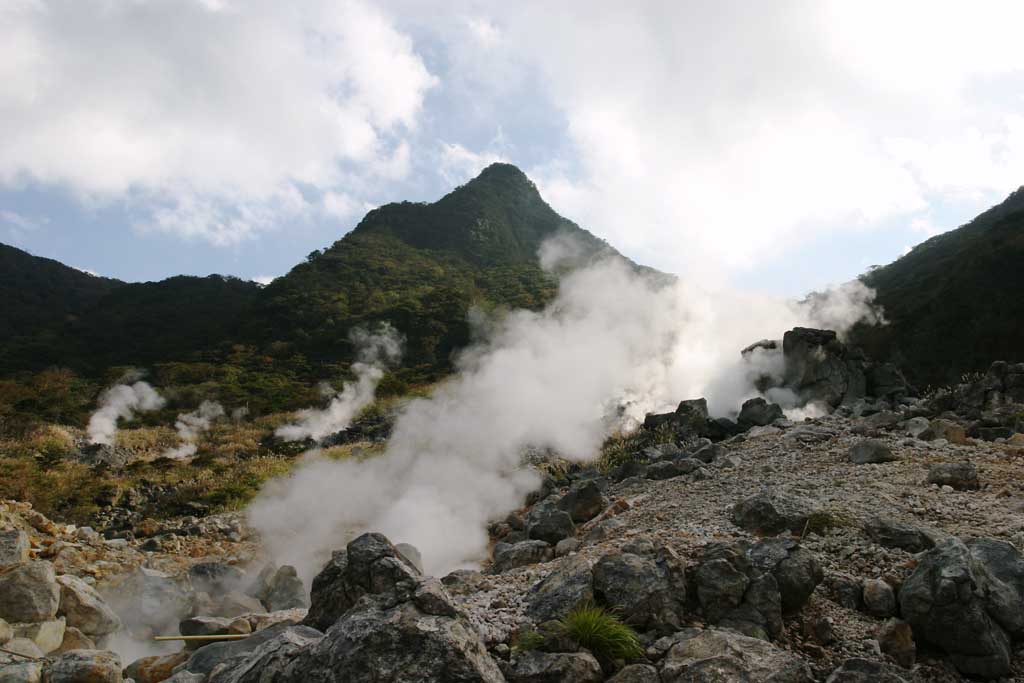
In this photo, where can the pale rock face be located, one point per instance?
(29, 593)
(85, 609)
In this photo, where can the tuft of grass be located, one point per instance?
(601, 632)
(530, 640)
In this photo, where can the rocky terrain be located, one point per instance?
(880, 541)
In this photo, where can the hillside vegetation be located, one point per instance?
(954, 303)
(419, 266)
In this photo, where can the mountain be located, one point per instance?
(955, 303)
(419, 266)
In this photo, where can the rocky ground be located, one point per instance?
(879, 542)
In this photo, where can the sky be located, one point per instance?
(778, 146)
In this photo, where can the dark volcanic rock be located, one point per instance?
(967, 601)
(870, 451)
(648, 593)
(511, 555)
(555, 667)
(716, 656)
(758, 412)
(865, 671)
(773, 512)
(583, 501)
(959, 475)
(819, 367)
(368, 565)
(892, 534)
(568, 586)
(547, 523)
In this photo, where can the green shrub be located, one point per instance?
(530, 640)
(601, 632)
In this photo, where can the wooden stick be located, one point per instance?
(224, 636)
(17, 654)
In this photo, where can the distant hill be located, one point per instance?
(955, 302)
(419, 266)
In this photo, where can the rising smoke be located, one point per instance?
(613, 345)
(121, 402)
(190, 426)
(375, 350)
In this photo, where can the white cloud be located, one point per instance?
(707, 136)
(205, 116)
(459, 164)
(264, 279)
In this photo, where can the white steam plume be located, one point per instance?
(375, 351)
(612, 346)
(121, 402)
(190, 426)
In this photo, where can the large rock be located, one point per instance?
(47, 635)
(85, 666)
(773, 512)
(717, 656)
(270, 656)
(733, 594)
(646, 592)
(6, 632)
(879, 598)
(13, 547)
(76, 640)
(819, 367)
(870, 451)
(84, 609)
(967, 601)
(757, 412)
(368, 565)
(583, 501)
(960, 475)
(890, 533)
(511, 555)
(567, 586)
(555, 667)
(155, 668)
(796, 570)
(286, 591)
(206, 659)
(21, 671)
(548, 523)
(29, 592)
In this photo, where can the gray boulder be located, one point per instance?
(215, 577)
(547, 523)
(757, 412)
(511, 555)
(566, 587)
(368, 565)
(84, 666)
(29, 592)
(960, 475)
(269, 655)
(819, 367)
(774, 512)
(84, 609)
(796, 570)
(6, 632)
(21, 671)
(734, 594)
(870, 451)
(879, 598)
(555, 667)
(412, 554)
(13, 547)
(583, 501)
(890, 533)
(716, 656)
(285, 590)
(865, 671)
(966, 601)
(206, 659)
(646, 592)
(896, 639)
